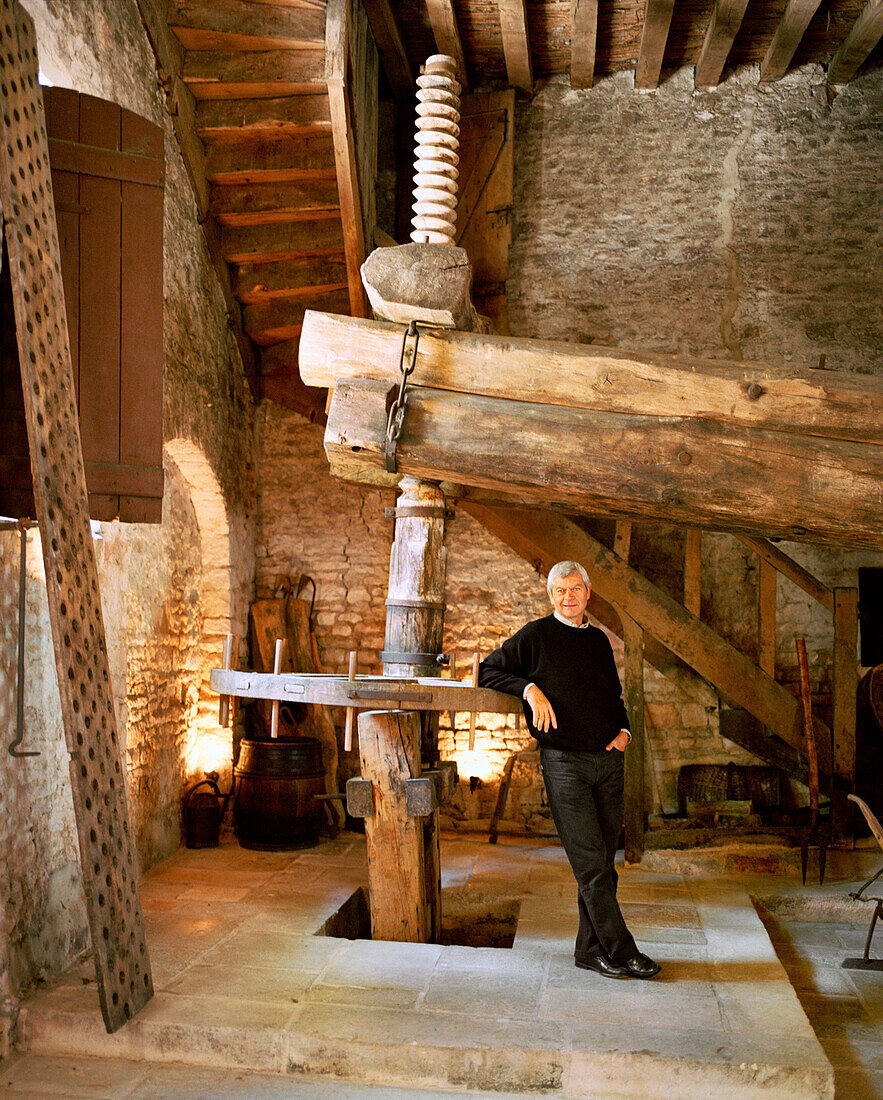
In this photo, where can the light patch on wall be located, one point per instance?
(208, 751)
(477, 763)
(44, 80)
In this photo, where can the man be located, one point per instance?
(564, 670)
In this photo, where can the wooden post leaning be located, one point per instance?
(634, 753)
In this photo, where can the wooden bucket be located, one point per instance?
(277, 782)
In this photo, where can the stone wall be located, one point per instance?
(169, 591)
(734, 223)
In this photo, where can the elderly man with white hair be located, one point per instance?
(563, 668)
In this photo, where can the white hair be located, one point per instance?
(566, 569)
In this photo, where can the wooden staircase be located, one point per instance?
(254, 117)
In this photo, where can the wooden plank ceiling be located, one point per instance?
(593, 38)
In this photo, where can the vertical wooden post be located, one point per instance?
(414, 625)
(844, 689)
(633, 636)
(767, 583)
(389, 752)
(693, 571)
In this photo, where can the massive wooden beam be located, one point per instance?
(583, 38)
(654, 35)
(726, 18)
(443, 20)
(390, 47)
(516, 44)
(864, 36)
(790, 30)
(811, 402)
(733, 675)
(689, 471)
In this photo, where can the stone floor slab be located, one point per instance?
(246, 986)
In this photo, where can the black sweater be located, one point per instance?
(576, 671)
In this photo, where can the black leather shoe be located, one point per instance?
(602, 966)
(641, 966)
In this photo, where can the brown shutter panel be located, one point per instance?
(107, 179)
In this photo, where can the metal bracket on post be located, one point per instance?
(359, 797)
(420, 796)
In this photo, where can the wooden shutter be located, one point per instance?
(107, 178)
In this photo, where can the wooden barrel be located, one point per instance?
(276, 786)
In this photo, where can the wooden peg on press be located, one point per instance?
(277, 668)
(350, 711)
(227, 663)
(472, 716)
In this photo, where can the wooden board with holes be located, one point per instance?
(107, 850)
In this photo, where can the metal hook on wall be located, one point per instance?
(14, 750)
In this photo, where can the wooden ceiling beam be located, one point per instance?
(654, 35)
(864, 36)
(516, 44)
(443, 20)
(791, 29)
(583, 37)
(390, 47)
(726, 18)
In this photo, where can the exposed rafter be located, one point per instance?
(657, 20)
(726, 18)
(864, 36)
(516, 44)
(792, 26)
(583, 37)
(443, 20)
(389, 45)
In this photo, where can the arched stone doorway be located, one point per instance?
(207, 744)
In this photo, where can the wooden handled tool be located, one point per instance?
(227, 663)
(277, 668)
(475, 664)
(350, 711)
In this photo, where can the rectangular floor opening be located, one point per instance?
(470, 918)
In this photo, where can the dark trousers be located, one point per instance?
(585, 791)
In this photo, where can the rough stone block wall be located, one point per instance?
(165, 588)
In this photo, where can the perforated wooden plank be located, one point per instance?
(99, 790)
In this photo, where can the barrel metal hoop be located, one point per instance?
(412, 511)
(431, 605)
